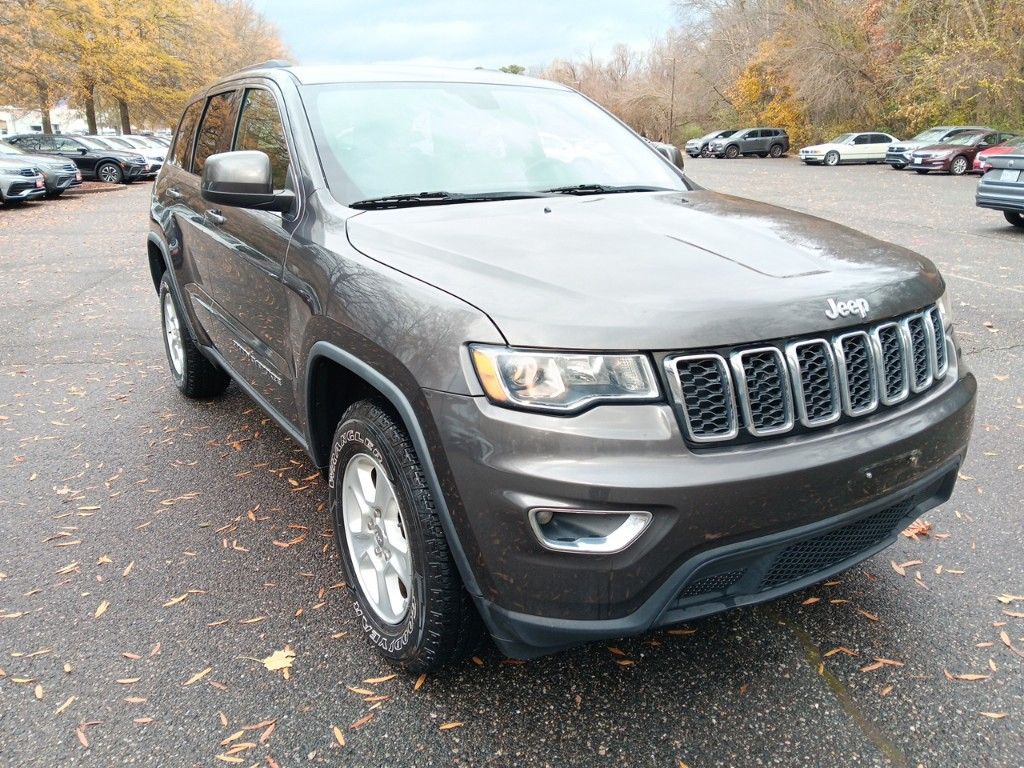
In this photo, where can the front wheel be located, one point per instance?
(705, 152)
(732, 151)
(775, 150)
(406, 591)
(898, 166)
(110, 173)
(1015, 217)
(959, 165)
(832, 158)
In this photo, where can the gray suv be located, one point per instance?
(558, 391)
(763, 142)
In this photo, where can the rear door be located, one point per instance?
(248, 262)
(879, 146)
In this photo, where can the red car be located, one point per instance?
(1015, 146)
(956, 155)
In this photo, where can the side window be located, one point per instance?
(48, 144)
(186, 132)
(260, 128)
(215, 129)
(65, 145)
(28, 143)
(864, 138)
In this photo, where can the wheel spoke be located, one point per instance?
(401, 564)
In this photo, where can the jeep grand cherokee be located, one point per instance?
(558, 390)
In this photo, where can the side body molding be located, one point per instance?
(401, 404)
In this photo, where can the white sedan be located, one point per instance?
(849, 148)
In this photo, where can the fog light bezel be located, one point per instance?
(634, 524)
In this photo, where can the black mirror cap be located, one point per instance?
(243, 179)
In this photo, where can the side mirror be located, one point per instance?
(83, 150)
(243, 179)
(983, 145)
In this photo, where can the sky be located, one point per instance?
(463, 33)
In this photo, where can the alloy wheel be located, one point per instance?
(959, 166)
(109, 173)
(832, 158)
(172, 334)
(376, 537)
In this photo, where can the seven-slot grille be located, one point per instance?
(767, 390)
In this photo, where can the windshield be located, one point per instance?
(929, 135)
(964, 139)
(383, 139)
(112, 141)
(718, 135)
(8, 149)
(843, 138)
(91, 142)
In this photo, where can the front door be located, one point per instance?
(248, 263)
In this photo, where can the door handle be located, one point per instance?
(172, 192)
(214, 215)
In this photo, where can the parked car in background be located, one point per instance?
(898, 154)
(59, 174)
(154, 155)
(19, 181)
(849, 148)
(700, 147)
(763, 142)
(94, 160)
(956, 154)
(566, 400)
(981, 160)
(1002, 187)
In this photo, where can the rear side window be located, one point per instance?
(260, 128)
(215, 129)
(186, 132)
(27, 142)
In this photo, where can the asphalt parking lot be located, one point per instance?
(153, 552)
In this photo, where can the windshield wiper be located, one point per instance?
(601, 189)
(436, 198)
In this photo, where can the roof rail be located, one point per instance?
(271, 64)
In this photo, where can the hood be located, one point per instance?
(822, 147)
(942, 147)
(666, 270)
(12, 163)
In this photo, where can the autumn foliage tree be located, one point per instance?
(136, 61)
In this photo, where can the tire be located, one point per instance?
(898, 166)
(1015, 217)
(194, 375)
(109, 173)
(428, 619)
(959, 165)
(922, 171)
(775, 150)
(832, 158)
(705, 152)
(732, 151)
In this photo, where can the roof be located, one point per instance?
(382, 73)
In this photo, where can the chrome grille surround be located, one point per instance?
(815, 383)
(768, 390)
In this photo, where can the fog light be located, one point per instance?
(584, 531)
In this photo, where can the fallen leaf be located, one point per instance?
(280, 660)
(420, 681)
(102, 609)
(993, 715)
(450, 726)
(811, 601)
(339, 736)
(198, 676)
(378, 680)
(361, 722)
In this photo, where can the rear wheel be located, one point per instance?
(407, 592)
(194, 375)
(832, 158)
(732, 151)
(959, 165)
(775, 150)
(110, 173)
(1015, 217)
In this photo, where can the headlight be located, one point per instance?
(946, 308)
(563, 382)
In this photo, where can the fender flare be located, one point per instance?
(391, 392)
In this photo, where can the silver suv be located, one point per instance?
(20, 181)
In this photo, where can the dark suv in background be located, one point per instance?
(94, 160)
(560, 392)
(763, 142)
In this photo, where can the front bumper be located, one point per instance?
(930, 163)
(133, 172)
(24, 190)
(58, 181)
(898, 158)
(812, 157)
(714, 512)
